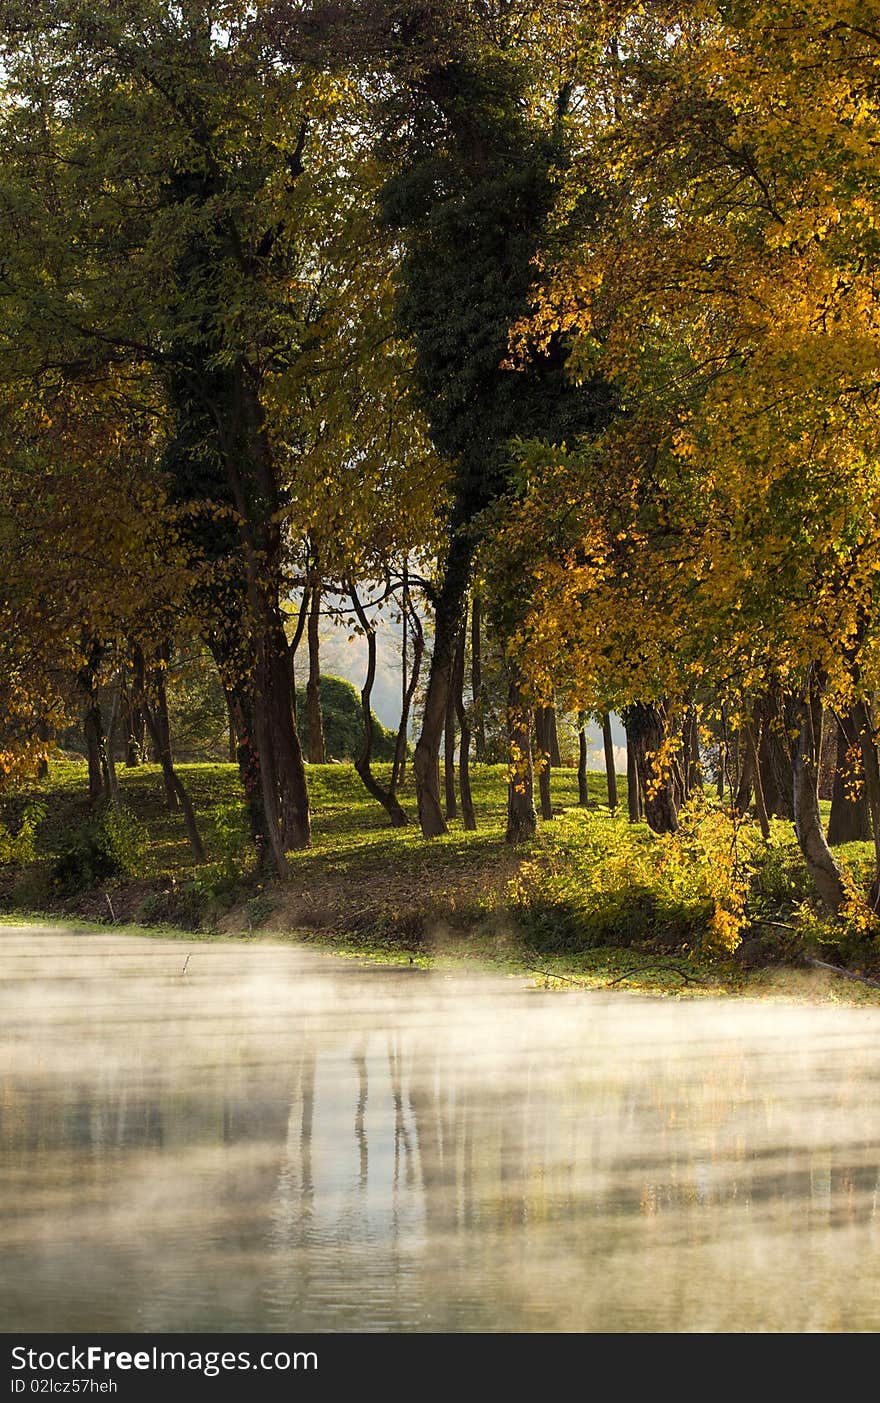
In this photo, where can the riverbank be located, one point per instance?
(593, 902)
(604, 969)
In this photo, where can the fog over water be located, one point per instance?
(278, 1140)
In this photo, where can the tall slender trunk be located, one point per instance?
(111, 782)
(172, 779)
(275, 691)
(477, 678)
(464, 774)
(746, 772)
(723, 754)
(94, 733)
(161, 734)
(823, 869)
(418, 651)
(363, 763)
(451, 807)
(610, 770)
(184, 802)
(583, 780)
(134, 729)
(760, 806)
(553, 737)
(774, 753)
(695, 768)
(296, 639)
(542, 740)
(314, 717)
(45, 734)
(862, 714)
(686, 754)
(93, 725)
(447, 618)
(850, 820)
(633, 791)
(521, 817)
(398, 767)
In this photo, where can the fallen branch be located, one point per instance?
(642, 969)
(549, 974)
(846, 973)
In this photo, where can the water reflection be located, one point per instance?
(275, 1140)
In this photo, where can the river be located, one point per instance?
(255, 1137)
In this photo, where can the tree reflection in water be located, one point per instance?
(289, 1142)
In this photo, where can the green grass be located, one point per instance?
(555, 909)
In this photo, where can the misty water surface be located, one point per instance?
(277, 1140)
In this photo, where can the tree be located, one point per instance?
(471, 197)
(171, 259)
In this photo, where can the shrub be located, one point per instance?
(181, 905)
(17, 850)
(343, 722)
(112, 845)
(601, 881)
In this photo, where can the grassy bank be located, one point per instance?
(593, 901)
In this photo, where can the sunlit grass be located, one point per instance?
(367, 889)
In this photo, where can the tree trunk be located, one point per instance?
(477, 679)
(542, 740)
(418, 652)
(583, 780)
(314, 718)
(449, 755)
(232, 737)
(253, 479)
(864, 721)
(686, 754)
(553, 738)
(161, 732)
(723, 754)
(695, 768)
(774, 754)
(93, 725)
(172, 779)
(274, 702)
(850, 820)
(111, 782)
(521, 817)
(647, 724)
(398, 767)
(633, 791)
(746, 774)
(464, 774)
(295, 641)
(447, 619)
(363, 764)
(610, 771)
(820, 861)
(94, 733)
(260, 698)
(760, 806)
(218, 404)
(134, 730)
